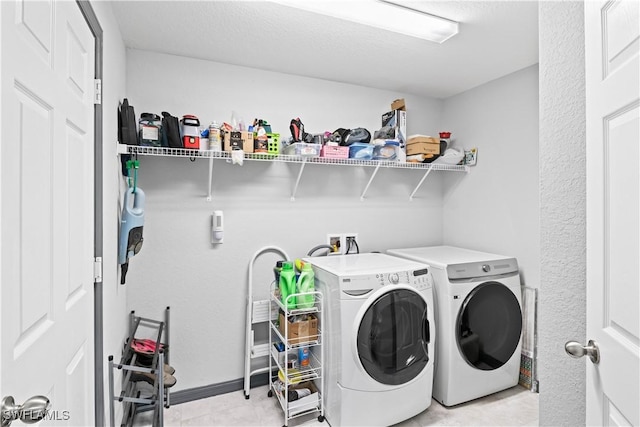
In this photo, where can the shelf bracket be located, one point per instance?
(210, 178)
(366, 188)
(420, 183)
(295, 187)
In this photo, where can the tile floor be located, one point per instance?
(516, 406)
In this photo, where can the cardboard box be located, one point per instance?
(299, 332)
(423, 138)
(238, 140)
(423, 148)
(398, 104)
(423, 144)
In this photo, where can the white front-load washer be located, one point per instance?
(379, 335)
(478, 318)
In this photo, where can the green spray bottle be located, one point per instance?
(287, 285)
(306, 284)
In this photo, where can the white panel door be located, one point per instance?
(613, 206)
(46, 215)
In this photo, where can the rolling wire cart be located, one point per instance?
(292, 331)
(258, 312)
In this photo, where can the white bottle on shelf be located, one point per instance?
(214, 137)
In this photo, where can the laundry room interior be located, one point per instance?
(492, 206)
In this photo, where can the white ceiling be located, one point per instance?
(495, 39)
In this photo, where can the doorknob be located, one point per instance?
(577, 350)
(33, 410)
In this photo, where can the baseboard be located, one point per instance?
(211, 390)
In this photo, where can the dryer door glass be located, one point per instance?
(393, 337)
(488, 326)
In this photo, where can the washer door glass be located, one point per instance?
(489, 326)
(393, 337)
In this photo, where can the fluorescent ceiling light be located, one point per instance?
(383, 14)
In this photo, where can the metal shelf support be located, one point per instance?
(426, 174)
(295, 187)
(210, 178)
(375, 171)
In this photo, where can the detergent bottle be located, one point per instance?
(306, 284)
(287, 285)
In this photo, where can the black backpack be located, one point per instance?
(346, 137)
(127, 128)
(171, 131)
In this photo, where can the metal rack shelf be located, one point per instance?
(287, 378)
(134, 398)
(302, 160)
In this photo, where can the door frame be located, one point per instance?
(94, 25)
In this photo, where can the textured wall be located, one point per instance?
(562, 212)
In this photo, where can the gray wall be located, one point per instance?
(205, 285)
(562, 212)
(497, 209)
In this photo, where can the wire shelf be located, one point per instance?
(209, 154)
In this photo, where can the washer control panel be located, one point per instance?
(419, 279)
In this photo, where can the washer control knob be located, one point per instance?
(486, 268)
(394, 278)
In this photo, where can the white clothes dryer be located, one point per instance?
(379, 337)
(478, 318)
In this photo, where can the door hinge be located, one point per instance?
(97, 270)
(97, 91)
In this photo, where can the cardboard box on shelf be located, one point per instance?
(398, 104)
(300, 331)
(423, 148)
(423, 144)
(238, 140)
(423, 138)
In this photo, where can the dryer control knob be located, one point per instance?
(486, 268)
(394, 278)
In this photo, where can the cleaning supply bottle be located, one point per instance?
(303, 356)
(276, 271)
(306, 284)
(287, 285)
